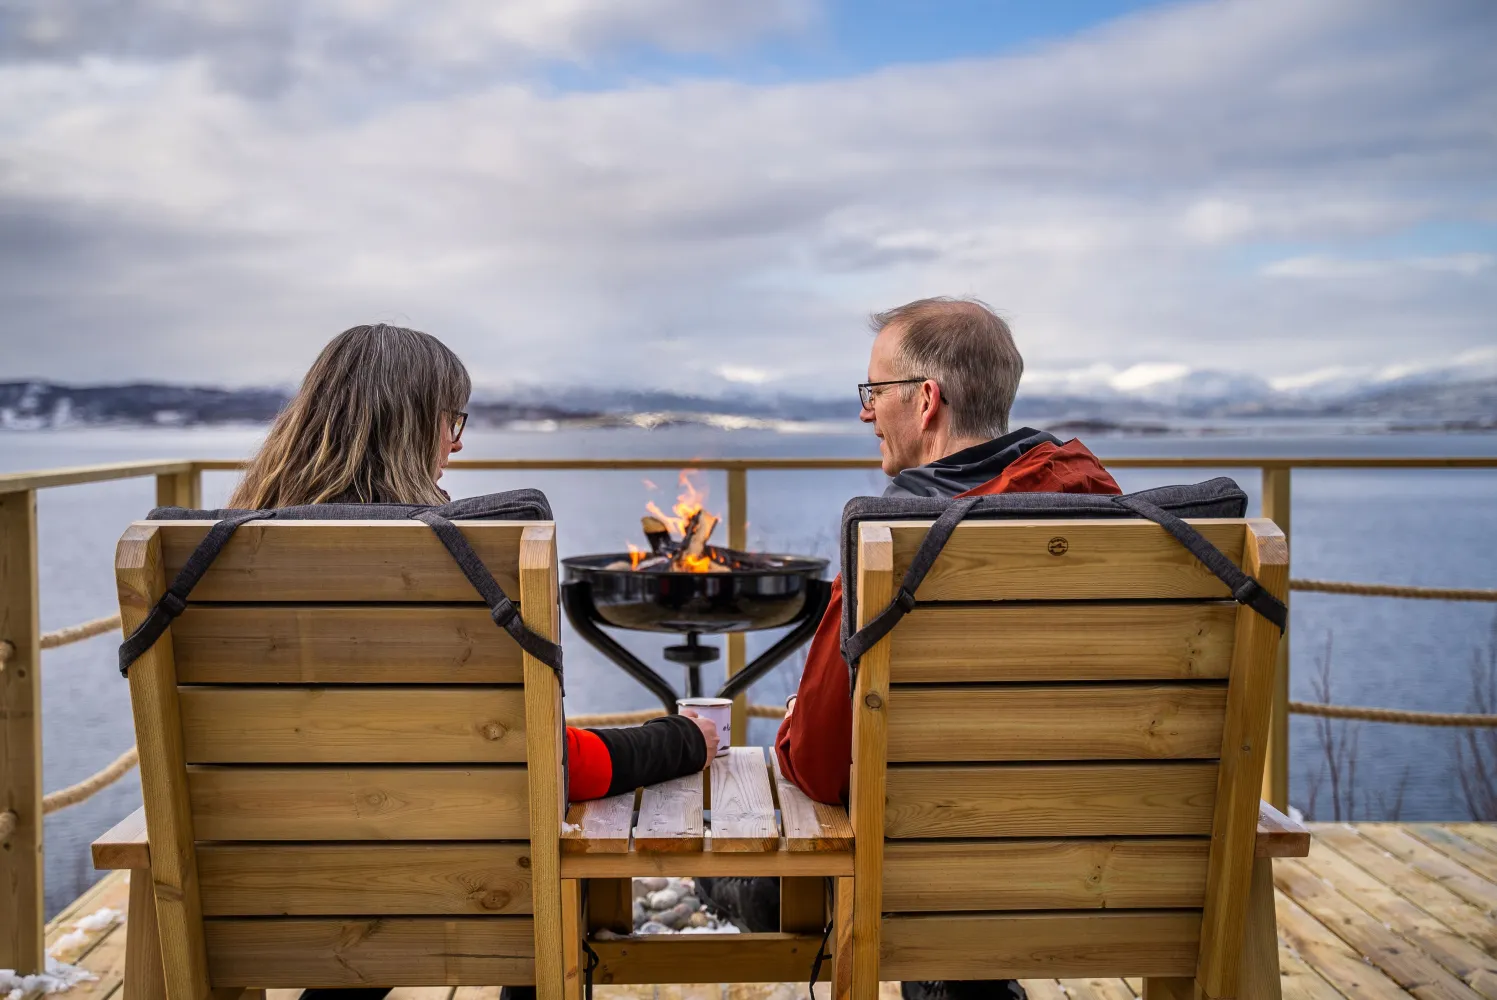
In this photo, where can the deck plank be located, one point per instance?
(1465, 960)
(1430, 863)
(1407, 966)
(1299, 981)
(1430, 896)
(1337, 963)
(1457, 848)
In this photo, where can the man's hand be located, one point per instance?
(709, 733)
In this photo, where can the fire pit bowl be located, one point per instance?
(762, 591)
(751, 591)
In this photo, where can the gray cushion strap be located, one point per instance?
(174, 601)
(501, 609)
(1245, 589)
(903, 603)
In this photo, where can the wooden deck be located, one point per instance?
(1378, 910)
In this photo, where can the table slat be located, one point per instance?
(600, 826)
(809, 825)
(670, 816)
(742, 803)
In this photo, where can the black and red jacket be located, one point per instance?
(613, 761)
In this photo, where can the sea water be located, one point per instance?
(1429, 528)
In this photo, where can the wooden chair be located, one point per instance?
(1057, 759)
(333, 741)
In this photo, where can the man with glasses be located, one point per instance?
(942, 377)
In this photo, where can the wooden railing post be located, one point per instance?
(21, 913)
(738, 539)
(1276, 504)
(180, 489)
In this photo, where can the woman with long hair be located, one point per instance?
(375, 420)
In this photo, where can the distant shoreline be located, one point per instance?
(1423, 408)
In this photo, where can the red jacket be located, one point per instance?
(815, 742)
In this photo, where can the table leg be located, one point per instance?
(842, 942)
(1260, 945)
(144, 978)
(572, 923)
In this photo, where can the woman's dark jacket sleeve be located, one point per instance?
(613, 761)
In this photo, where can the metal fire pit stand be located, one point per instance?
(577, 600)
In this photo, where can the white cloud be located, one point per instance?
(1463, 264)
(157, 216)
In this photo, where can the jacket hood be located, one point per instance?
(969, 468)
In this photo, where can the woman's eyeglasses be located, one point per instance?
(459, 421)
(867, 394)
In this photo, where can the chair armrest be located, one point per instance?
(1279, 836)
(124, 846)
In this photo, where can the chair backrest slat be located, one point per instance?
(1039, 768)
(349, 752)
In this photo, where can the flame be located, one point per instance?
(636, 554)
(688, 503)
(695, 564)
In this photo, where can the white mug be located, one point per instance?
(720, 711)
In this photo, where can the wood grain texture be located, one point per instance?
(21, 868)
(1044, 722)
(337, 561)
(1050, 800)
(246, 880)
(1001, 946)
(1407, 966)
(145, 977)
(332, 644)
(1234, 827)
(869, 755)
(540, 594)
(486, 802)
(1279, 836)
(1045, 874)
(1100, 560)
(703, 958)
(1430, 895)
(125, 845)
(1064, 641)
(408, 951)
(600, 826)
(1465, 958)
(348, 725)
(141, 579)
(770, 864)
(1259, 975)
(809, 825)
(743, 816)
(670, 816)
(803, 905)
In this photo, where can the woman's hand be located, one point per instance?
(709, 733)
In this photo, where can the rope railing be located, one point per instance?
(77, 633)
(1389, 590)
(1399, 716)
(92, 785)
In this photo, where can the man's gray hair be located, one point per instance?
(968, 351)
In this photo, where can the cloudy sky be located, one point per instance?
(706, 195)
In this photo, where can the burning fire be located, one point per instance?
(689, 519)
(690, 501)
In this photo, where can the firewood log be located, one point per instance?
(694, 545)
(656, 531)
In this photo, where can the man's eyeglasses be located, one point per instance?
(866, 391)
(459, 421)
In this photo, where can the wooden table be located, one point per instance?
(740, 818)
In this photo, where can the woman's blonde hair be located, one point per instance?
(365, 426)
